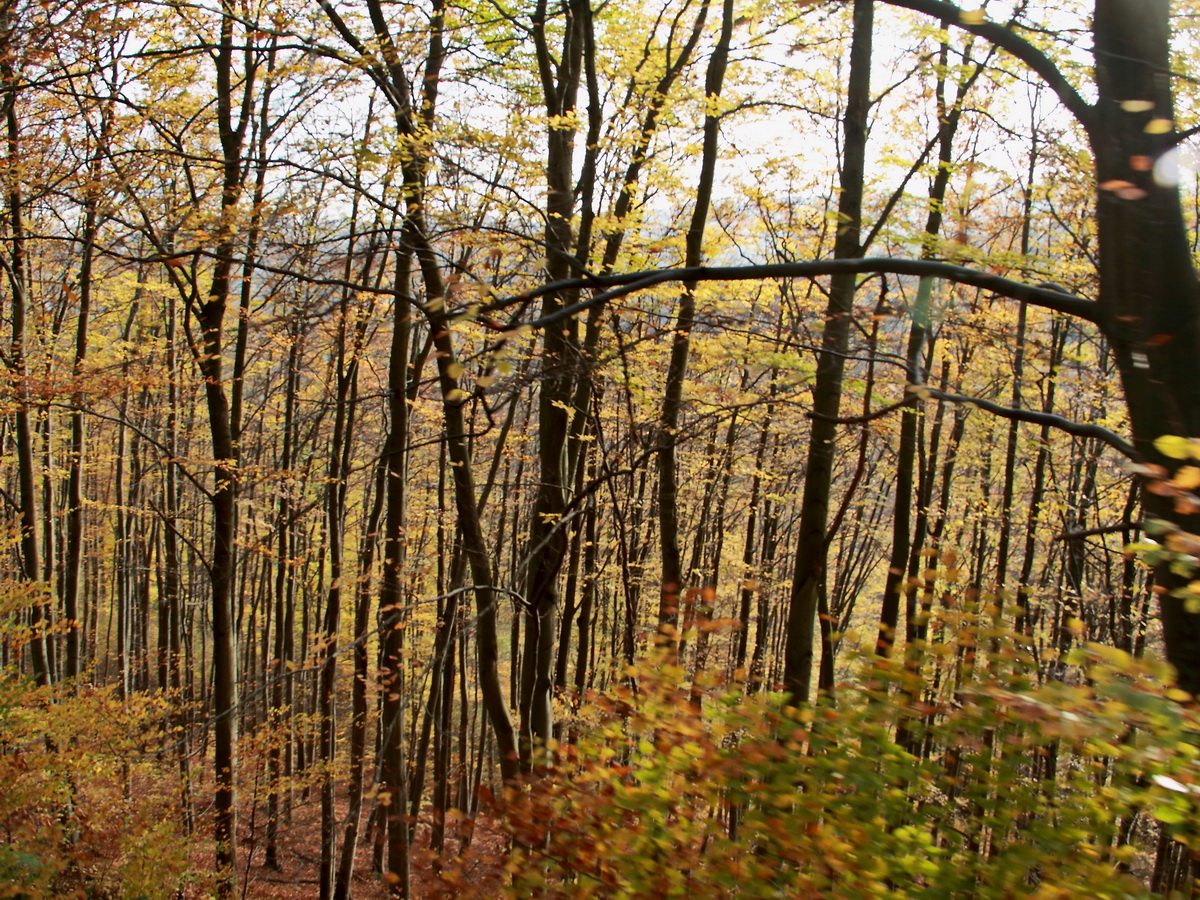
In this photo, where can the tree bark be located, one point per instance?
(1149, 295)
(672, 405)
(811, 552)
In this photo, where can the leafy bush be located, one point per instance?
(1004, 788)
(82, 813)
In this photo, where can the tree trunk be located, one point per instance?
(211, 315)
(1149, 294)
(812, 549)
(548, 539)
(672, 405)
(15, 268)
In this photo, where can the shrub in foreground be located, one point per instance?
(1002, 788)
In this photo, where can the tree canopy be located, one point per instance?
(616, 449)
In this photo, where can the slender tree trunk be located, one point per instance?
(15, 268)
(548, 539)
(391, 599)
(348, 383)
(672, 405)
(588, 602)
(73, 551)
(280, 713)
(812, 549)
(752, 582)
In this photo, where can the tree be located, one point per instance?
(827, 391)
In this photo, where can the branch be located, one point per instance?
(1113, 440)
(1007, 39)
(621, 285)
(865, 417)
(1103, 529)
(374, 68)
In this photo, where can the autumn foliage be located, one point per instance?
(742, 798)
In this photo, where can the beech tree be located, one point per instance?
(482, 408)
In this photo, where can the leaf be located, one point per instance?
(1171, 446)
(1159, 126)
(972, 17)
(1159, 527)
(1111, 655)
(1169, 815)
(1137, 106)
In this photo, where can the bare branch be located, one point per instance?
(621, 285)
(1101, 434)
(1118, 528)
(1011, 42)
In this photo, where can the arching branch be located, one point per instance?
(1011, 42)
(621, 285)
(921, 392)
(1078, 429)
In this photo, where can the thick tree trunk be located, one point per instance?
(211, 315)
(1149, 294)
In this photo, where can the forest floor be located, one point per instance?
(475, 875)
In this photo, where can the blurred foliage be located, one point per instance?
(1004, 787)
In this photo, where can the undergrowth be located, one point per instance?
(1003, 787)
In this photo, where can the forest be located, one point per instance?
(687, 448)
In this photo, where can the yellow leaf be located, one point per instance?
(1137, 106)
(1112, 655)
(1173, 447)
(454, 370)
(1159, 126)
(972, 17)
(1188, 478)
